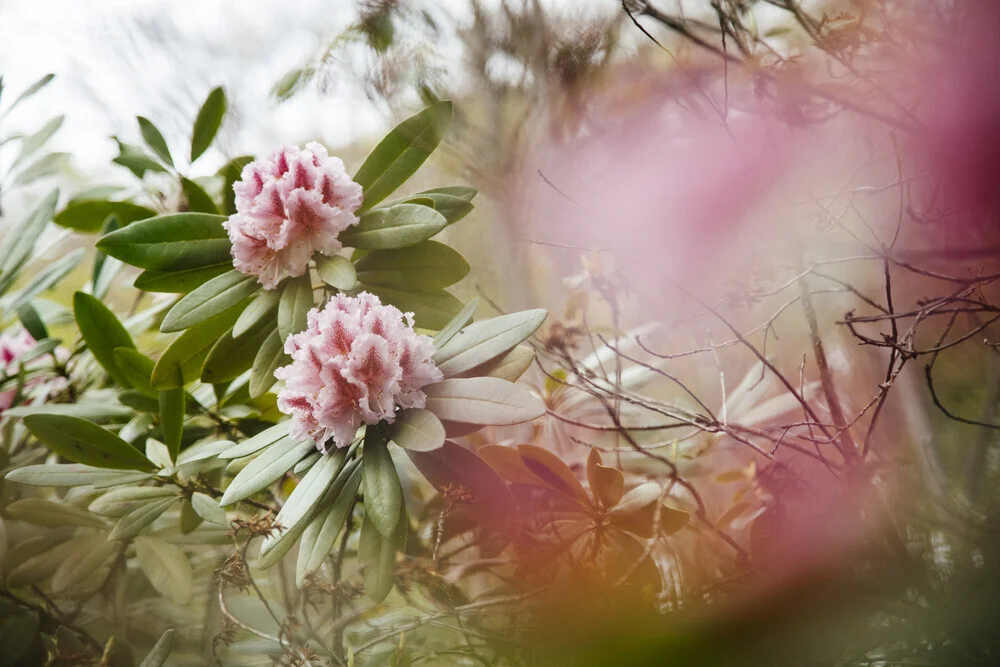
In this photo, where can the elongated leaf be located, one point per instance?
(431, 310)
(456, 324)
(206, 125)
(637, 498)
(321, 533)
(552, 471)
(84, 442)
(231, 173)
(299, 508)
(208, 509)
(425, 266)
(182, 361)
(136, 367)
(137, 521)
(31, 90)
(47, 165)
(172, 419)
(418, 430)
(89, 410)
(510, 366)
(208, 300)
(166, 567)
(48, 278)
(258, 442)
(451, 206)
(60, 474)
(383, 496)
(271, 356)
(294, 305)
(607, 484)
(488, 401)
(127, 499)
(151, 135)
(397, 227)
(487, 339)
(377, 555)
(174, 242)
(82, 568)
(17, 247)
(46, 555)
(36, 140)
(337, 271)
(402, 151)
(179, 282)
(266, 469)
(264, 305)
(197, 199)
(157, 657)
(43, 512)
(231, 357)
(89, 215)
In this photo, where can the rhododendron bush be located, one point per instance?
(704, 375)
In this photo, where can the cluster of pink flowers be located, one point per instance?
(12, 347)
(289, 206)
(356, 362)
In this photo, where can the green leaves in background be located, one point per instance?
(84, 442)
(151, 135)
(230, 173)
(172, 419)
(102, 332)
(179, 282)
(319, 536)
(209, 299)
(377, 554)
(395, 227)
(198, 200)
(402, 151)
(182, 361)
(206, 125)
(175, 242)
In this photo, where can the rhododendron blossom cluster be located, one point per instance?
(356, 362)
(288, 207)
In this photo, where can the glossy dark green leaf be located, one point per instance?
(208, 300)
(337, 271)
(206, 125)
(402, 151)
(179, 282)
(170, 242)
(136, 367)
(383, 496)
(422, 267)
(151, 135)
(182, 361)
(231, 173)
(84, 442)
(32, 322)
(269, 358)
(172, 419)
(197, 199)
(102, 332)
(232, 355)
(397, 227)
(264, 306)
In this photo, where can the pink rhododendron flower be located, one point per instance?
(12, 347)
(356, 362)
(288, 207)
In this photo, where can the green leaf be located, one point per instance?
(208, 509)
(264, 306)
(231, 172)
(208, 300)
(157, 657)
(85, 410)
(377, 555)
(426, 266)
(331, 515)
(125, 500)
(488, 401)
(136, 367)
(31, 90)
(44, 564)
(397, 227)
(166, 567)
(48, 278)
(47, 165)
(271, 356)
(431, 310)
(36, 140)
(417, 430)
(139, 163)
(232, 356)
(32, 322)
(102, 332)
(183, 359)
(172, 419)
(151, 135)
(294, 305)
(16, 248)
(76, 571)
(265, 438)
(266, 469)
(383, 495)
(402, 151)
(172, 242)
(197, 199)
(134, 523)
(337, 271)
(61, 474)
(299, 508)
(43, 512)
(84, 442)
(179, 282)
(206, 125)
(452, 207)
(510, 366)
(138, 400)
(456, 323)
(485, 340)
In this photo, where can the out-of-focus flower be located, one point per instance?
(356, 362)
(288, 207)
(13, 347)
